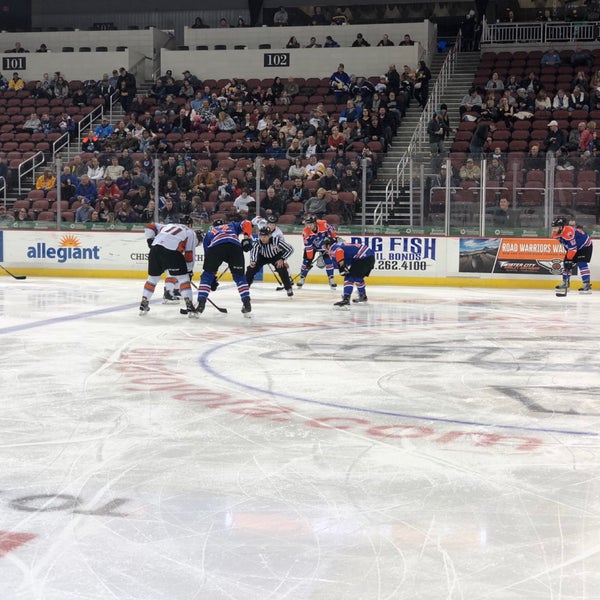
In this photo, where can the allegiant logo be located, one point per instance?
(68, 249)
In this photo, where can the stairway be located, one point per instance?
(459, 85)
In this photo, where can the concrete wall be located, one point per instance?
(303, 62)
(143, 45)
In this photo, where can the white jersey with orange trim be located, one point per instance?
(174, 236)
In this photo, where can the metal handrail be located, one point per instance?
(3, 188)
(28, 166)
(60, 143)
(538, 33)
(417, 140)
(88, 120)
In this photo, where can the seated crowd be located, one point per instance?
(312, 136)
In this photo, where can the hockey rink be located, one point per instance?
(436, 443)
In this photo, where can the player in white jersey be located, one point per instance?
(171, 293)
(173, 250)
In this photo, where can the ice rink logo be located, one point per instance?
(69, 249)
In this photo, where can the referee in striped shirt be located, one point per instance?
(270, 250)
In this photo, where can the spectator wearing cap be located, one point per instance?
(554, 140)
(470, 171)
(360, 41)
(104, 130)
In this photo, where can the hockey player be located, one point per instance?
(355, 262)
(222, 244)
(578, 246)
(171, 293)
(273, 228)
(172, 250)
(314, 233)
(269, 249)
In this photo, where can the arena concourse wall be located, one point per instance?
(400, 260)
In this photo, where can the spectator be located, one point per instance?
(581, 58)
(46, 181)
(496, 171)
(436, 133)
(330, 42)
(471, 103)
(318, 18)
(542, 102)
(339, 84)
(84, 213)
(587, 139)
(292, 43)
(581, 80)
(280, 18)
(561, 101)
(406, 41)
(104, 130)
(42, 48)
(385, 41)
(575, 136)
(32, 124)
(554, 140)
(470, 171)
(244, 203)
(578, 100)
(61, 88)
(297, 169)
(16, 83)
(224, 23)
(495, 83)
(199, 24)
(127, 88)
(5, 217)
(360, 41)
(481, 136)
(86, 190)
(550, 58)
(316, 205)
(126, 214)
(298, 192)
(18, 49)
(313, 43)
(421, 87)
(504, 216)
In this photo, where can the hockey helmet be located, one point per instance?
(187, 221)
(217, 222)
(272, 219)
(264, 231)
(310, 219)
(199, 236)
(560, 222)
(329, 241)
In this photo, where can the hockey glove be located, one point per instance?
(149, 242)
(214, 284)
(568, 265)
(246, 244)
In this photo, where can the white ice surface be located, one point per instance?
(437, 443)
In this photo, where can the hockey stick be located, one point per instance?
(276, 275)
(279, 288)
(219, 308)
(20, 277)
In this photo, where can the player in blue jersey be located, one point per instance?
(222, 244)
(578, 246)
(314, 233)
(354, 262)
(172, 250)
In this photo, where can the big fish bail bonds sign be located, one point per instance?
(400, 253)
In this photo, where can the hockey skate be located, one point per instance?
(586, 288)
(332, 283)
(301, 281)
(290, 292)
(144, 308)
(192, 311)
(201, 305)
(169, 298)
(343, 303)
(247, 308)
(361, 298)
(177, 294)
